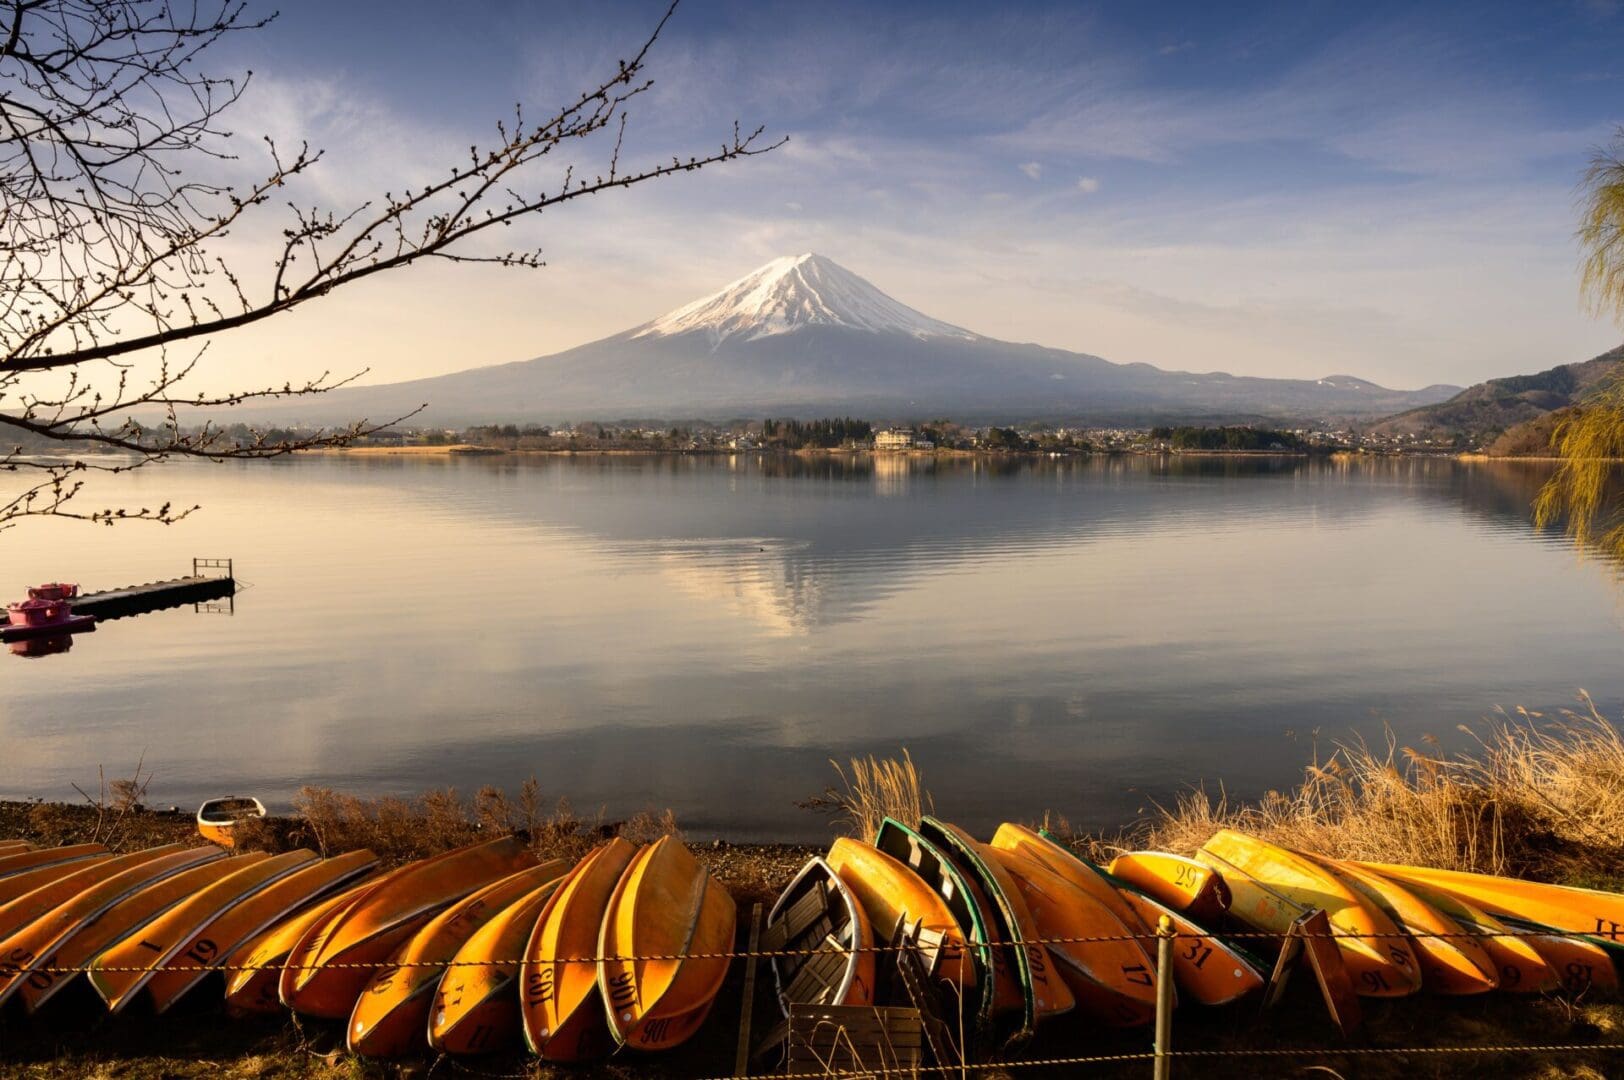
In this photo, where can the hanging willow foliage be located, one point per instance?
(1583, 495)
(1601, 230)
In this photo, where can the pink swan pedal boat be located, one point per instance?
(48, 612)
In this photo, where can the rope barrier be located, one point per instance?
(1106, 1059)
(11, 968)
(17, 968)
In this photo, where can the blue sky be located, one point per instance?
(1292, 189)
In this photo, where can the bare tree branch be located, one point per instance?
(109, 131)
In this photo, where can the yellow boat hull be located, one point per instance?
(28, 880)
(1204, 966)
(664, 929)
(1560, 907)
(1580, 966)
(563, 1012)
(1050, 995)
(43, 900)
(1057, 860)
(256, 967)
(1452, 962)
(1110, 979)
(476, 1008)
(391, 1017)
(36, 945)
(1175, 882)
(1519, 965)
(360, 941)
(222, 935)
(122, 920)
(1273, 887)
(27, 859)
(890, 893)
(123, 971)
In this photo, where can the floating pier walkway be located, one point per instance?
(210, 580)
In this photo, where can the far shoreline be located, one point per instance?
(475, 450)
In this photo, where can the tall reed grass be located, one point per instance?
(875, 789)
(1535, 796)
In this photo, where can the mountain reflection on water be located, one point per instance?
(705, 632)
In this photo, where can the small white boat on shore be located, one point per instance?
(218, 819)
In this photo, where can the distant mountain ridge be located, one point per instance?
(1481, 414)
(803, 336)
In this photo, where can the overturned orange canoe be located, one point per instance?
(126, 917)
(20, 862)
(1580, 965)
(46, 898)
(563, 1013)
(120, 973)
(356, 944)
(890, 893)
(28, 880)
(476, 1007)
(1043, 994)
(1273, 887)
(391, 1017)
(1560, 907)
(1058, 860)
(220, 936)
(35, 945)
(659, 970)
(1182, 884)
(1452, 961)
(1519, 965)
(1206, 967)
(1109, 978)
(255, 968)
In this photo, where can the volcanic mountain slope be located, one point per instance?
(803, 336)
(1481, 414)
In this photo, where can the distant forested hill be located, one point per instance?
(1481, 414)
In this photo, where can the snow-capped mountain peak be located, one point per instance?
(794, 292)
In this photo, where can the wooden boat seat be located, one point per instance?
(815, 917)
(862, 1039)
(797, 918)
(817, 978)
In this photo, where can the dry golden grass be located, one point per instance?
(877, 788)
(401, 829)
(1537, 796)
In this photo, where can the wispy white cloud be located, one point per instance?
(1088, 185)
(1032, 169)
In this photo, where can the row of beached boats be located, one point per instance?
(464, 952)
(486, 946)
(1028, 930)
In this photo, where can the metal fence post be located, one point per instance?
(1164, 998)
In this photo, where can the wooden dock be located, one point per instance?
(198, 587)
(153, 596)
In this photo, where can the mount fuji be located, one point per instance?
(803, 336)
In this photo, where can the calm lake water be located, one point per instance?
(705, 633)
